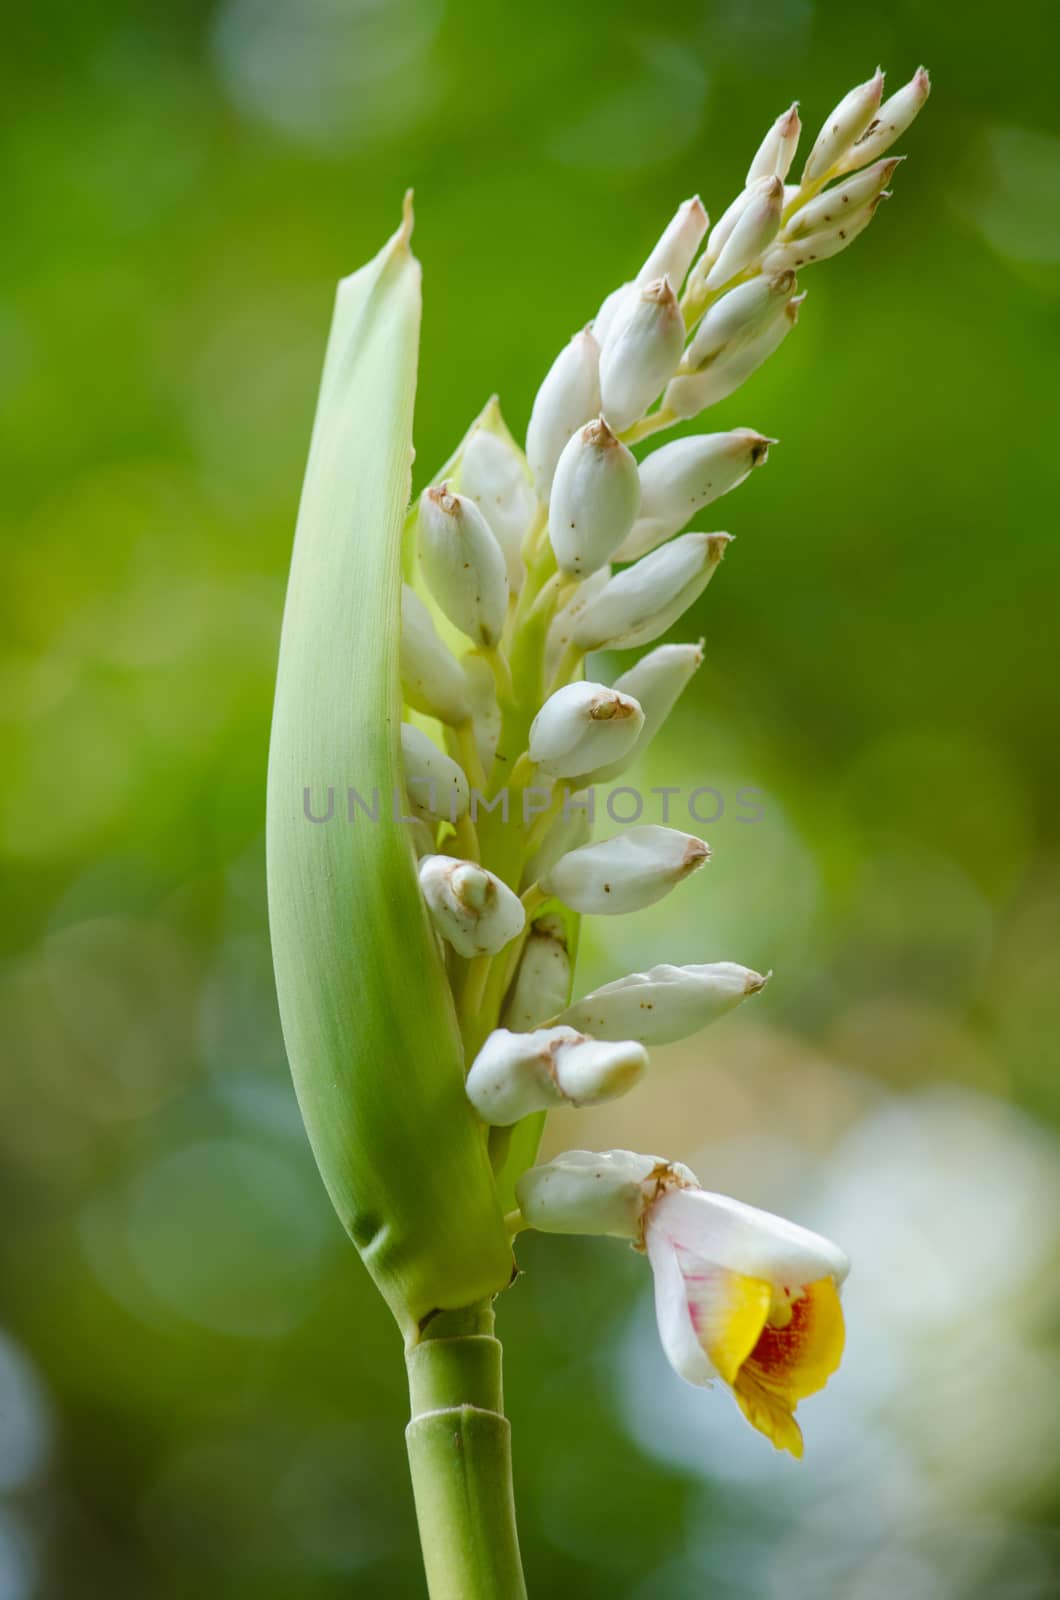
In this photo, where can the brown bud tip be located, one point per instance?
(697, 209)
(697, 854)
(659, 292)
(599, 435)
(756, 981)
(922, 82)
(760, 447)
(791, 122)
(717, 544)
(782, 283)
(612, 708)
(774, 189)
(443, 497)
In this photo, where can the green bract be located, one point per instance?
(367, 1012)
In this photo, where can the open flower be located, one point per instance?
(749, 1298)
(740, 1295)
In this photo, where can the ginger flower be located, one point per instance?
(749, 1298)
(740, 1295)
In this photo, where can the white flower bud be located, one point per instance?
(432, 680)
(824, 244)
(422, 836)
(471, 908)
(463, 564)
(542, 983)
(562, 628)
(597, 1192)
(516, 1074)
(571, 829)
(493, 474)
(676, 249)
(680, 478)
(775, 154)
(641, 354)
(656, 683)
(626, 873)
(846, 123)
(722, 229)
(688, 395)
(437, 788)
(569, 397)
(486, 718)
(640, 603)
(595, 496)
(836, 205)
(614, 308)
(581, 726)
(889, 123)
(738, 316)
(663, 1004)
(755, 228)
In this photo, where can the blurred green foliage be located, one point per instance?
(199, 1391)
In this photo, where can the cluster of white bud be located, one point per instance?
(539, 559)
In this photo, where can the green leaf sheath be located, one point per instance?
(367, 1014)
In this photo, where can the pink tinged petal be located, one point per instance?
(677, 1332)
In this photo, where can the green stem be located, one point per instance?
(459, 1445)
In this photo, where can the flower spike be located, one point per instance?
(436, 654)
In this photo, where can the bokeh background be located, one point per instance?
(199, 1392)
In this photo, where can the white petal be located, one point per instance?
(743, 1239)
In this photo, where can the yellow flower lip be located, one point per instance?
(772, 1347)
